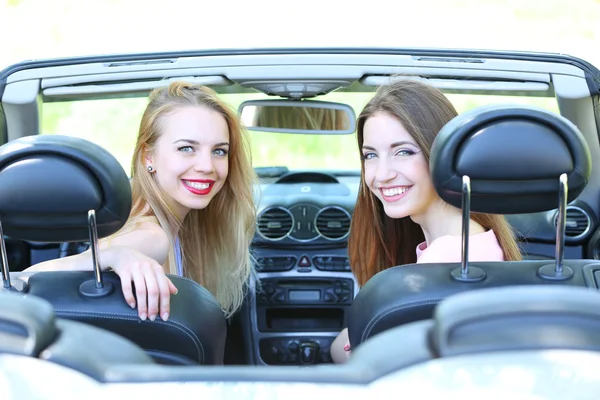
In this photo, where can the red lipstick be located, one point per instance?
(195, 190)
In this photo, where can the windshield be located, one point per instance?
(114, 123)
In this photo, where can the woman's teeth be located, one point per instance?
(197, 185)
(395, 191)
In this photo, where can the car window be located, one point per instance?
(113, 124)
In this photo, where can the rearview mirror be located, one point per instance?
(298, 116)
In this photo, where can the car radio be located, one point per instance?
(306, 291)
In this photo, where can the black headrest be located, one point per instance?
(513, 155)
(48, 183)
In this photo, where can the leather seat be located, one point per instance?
(48, 184)
(514, 157)
(28, 327)
(513, 318)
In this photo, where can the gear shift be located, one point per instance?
(308, 352)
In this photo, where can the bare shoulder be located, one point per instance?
(147, 237)
(153, 227)
(154, 233)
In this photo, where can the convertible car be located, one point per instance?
(524, 145)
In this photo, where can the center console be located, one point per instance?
(300, 305)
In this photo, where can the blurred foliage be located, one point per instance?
(114, 123)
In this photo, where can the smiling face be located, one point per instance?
(396, 170)
(190, 159)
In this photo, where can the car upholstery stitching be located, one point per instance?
(176, 325)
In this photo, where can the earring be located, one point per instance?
(150, 169)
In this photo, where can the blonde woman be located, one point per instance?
(193, 213)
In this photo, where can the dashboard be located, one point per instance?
(305, 285)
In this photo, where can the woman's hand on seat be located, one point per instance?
(153, 288)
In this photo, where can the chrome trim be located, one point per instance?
(587, 216)
(466, 219)
(561, 223)
(316, 231)
(93, 231)
(326, 237)
(5, 268)
(267, 210)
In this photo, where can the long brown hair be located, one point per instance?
(214, 241)
(376, 241)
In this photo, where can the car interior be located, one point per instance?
(522, 145)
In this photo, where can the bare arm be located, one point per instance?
(149, 239)
(138, 257)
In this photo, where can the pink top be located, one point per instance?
(482, 247)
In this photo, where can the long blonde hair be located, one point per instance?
(215, 241)
(376, 241)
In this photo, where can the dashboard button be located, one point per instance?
(279, 297)
(293, 346)
(304, 262)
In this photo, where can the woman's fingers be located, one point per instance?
(140, 291)
(164, 291)
(153, 290)
(127, 289)
(172, 288)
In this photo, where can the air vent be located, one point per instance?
(333, 223)
(275, 223)
(578, 222)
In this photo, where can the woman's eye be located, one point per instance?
(186, 149)
(220, 152)
(367, 156)
(405, 152)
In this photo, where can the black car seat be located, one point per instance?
(28, 327)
